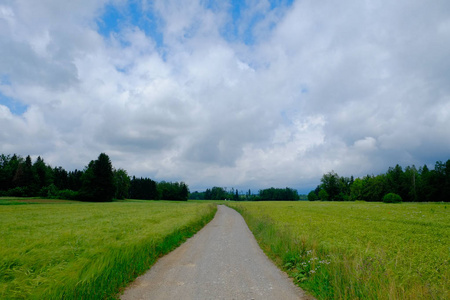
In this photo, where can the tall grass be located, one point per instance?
(88, 250)
(357, 250)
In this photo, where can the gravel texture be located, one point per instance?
(222, 261)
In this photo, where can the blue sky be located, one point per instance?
(14, 106)
(243, 94)
(116, 17)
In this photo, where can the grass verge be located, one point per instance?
(88, 250)
(31, 200)
(357, 250)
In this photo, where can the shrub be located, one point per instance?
(48, 191)
(17, 192)
(323, 195)
(392, 198)
(67, 195)
(312, 196)
(52, 192)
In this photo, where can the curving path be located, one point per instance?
(222, 261)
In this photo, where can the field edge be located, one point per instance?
(324, 272)
(109, 275)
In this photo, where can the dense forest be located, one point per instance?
(411, 184)
(98, 182)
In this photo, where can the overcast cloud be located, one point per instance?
(237, 94)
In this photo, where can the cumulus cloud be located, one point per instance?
(252, 96)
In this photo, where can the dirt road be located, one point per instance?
(222, 261)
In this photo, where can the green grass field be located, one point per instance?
(87, 250)
(357, 250)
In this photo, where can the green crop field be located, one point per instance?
(352, 250)
(87, 250)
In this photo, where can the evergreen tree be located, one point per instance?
(173, 191)
(23, 179)
(8, 168)
(143, 188)
(43, 173)
(60, 178)
(208, 194)
(278, 194)
(75, 180)
(184, 194)
(98, 181)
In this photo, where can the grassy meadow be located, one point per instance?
(357, 250)
(79, 250)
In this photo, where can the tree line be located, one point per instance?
(270, 194)
(216, 193)
(411, 184)
(98, 181)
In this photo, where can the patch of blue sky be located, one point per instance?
(109, 21)
(277, 3)
(241, 25)
(248, 36)
(237, 7)
(132, 14)
(14, 106)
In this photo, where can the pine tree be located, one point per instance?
(42, 173)
(98, 181)
(184, 194)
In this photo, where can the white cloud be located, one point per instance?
(348, 86)
(366, 144)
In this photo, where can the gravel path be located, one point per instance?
(222, 261)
